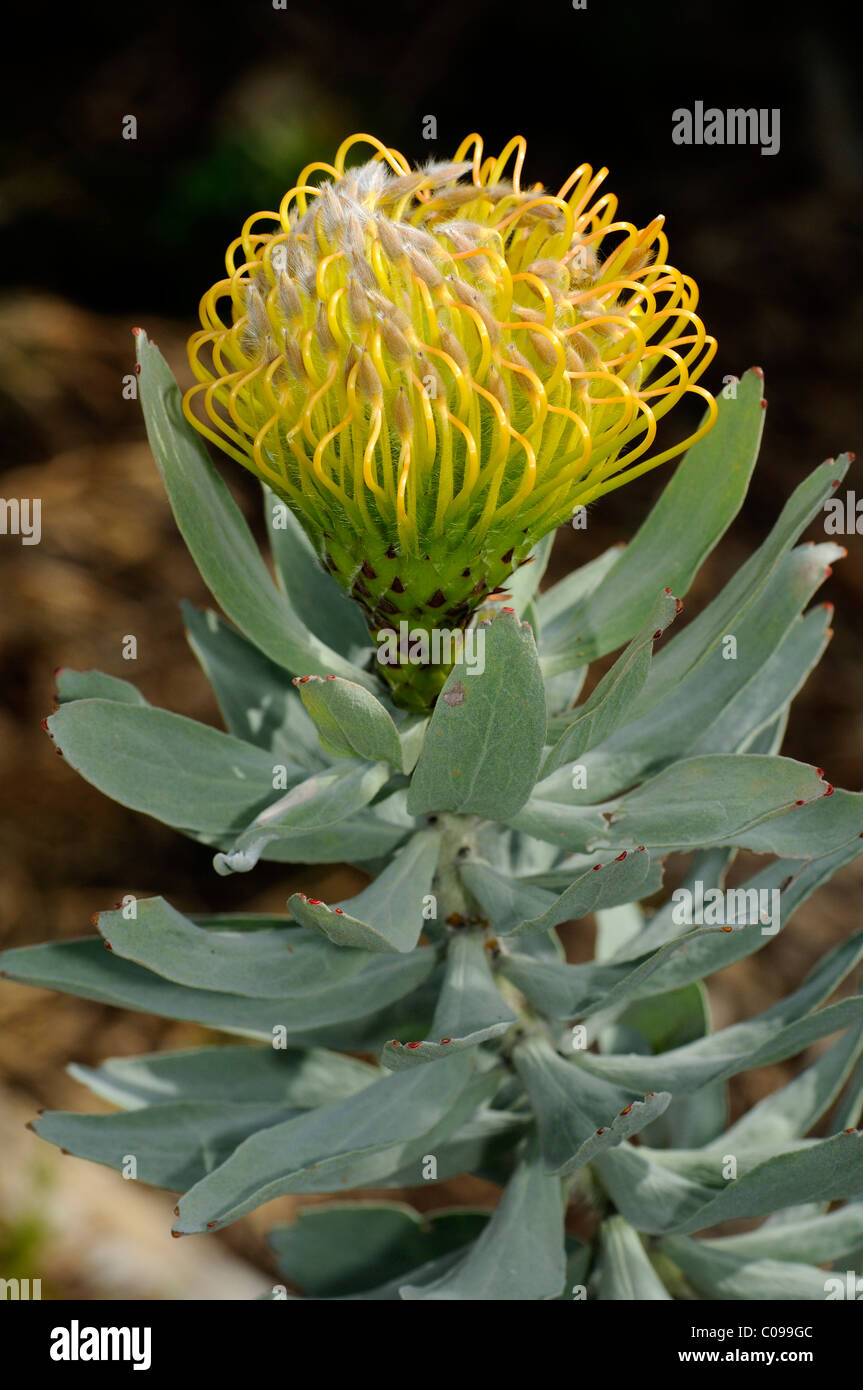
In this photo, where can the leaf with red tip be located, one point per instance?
(179, 771)
(821, 827)
(355, 1014)
(358, 1142)
(387, 915)
(470, 1008)
(351, 722)
(516, 908)
(176, 1143)
(578, 1114)
(709, 801)
(281, 962)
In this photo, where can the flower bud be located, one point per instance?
(462, 364)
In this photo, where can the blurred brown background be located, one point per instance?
(98, 233)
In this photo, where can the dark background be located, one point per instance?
(98, 233)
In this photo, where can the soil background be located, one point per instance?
(98, 233)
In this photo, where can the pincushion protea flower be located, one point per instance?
(429, 1026)
(434, 367)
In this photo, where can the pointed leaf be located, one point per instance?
(623, 1271)
(283, 963)
(484, 743)
(174, 1145)
(793, 880)
(345, 1249)
(756, 705)
(323, 800)
(656, 1200)
(351, 722)
(349, 1143)
(779, 1032)
(470, 1009)
(819, 828)
(707, 490)
(577, 1118)
(687, 649)
(695, 716)
(611, 701)
(181, 772)
(621, 879)
(386, 916)
(723, 1275)
(810, 1240)
(354, 1014)
(256, 697)
(318, 600)
(296, 1080)
(790, 1112)
(707, 800)
(95, 685)
(520, 1254)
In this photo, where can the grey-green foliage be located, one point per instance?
(509, 811)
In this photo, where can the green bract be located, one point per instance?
(508, 811)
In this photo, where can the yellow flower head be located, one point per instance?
(433, 367)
